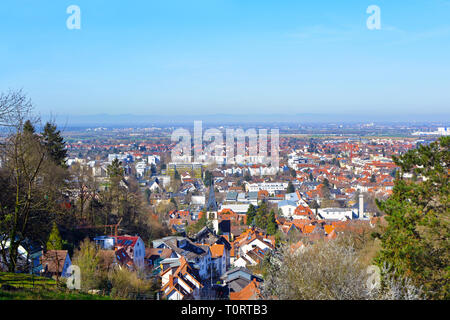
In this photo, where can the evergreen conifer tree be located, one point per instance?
(251, 212)
(28, 127)
(290, 188)
(272, 224)
(416, 242)
(55, 144)
(54, 241)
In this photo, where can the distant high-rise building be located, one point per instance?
(195, 169)
(441, 131)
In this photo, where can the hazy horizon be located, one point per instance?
(125, 119)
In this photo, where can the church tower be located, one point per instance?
(212, 203)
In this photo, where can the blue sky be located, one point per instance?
(228, 56)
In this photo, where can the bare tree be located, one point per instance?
(22, 198)
(397, 288)
(325, 270)
(15, 109)
(85, 186)
(329, 270)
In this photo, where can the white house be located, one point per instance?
(153, 159)
(198, 200)
(198, 255)
(238, 208)
(252, 251)
(135, 248)
(164, 180)
(178, 281)
(270, 187)
(341, 214)
(261, 243)
(219, 258)
(154, 186)
(129, 250)
(120, 157)
(241, 262)
(141, 168)
(185, 176)
(287, 208)
(295, 197)
(233, 171)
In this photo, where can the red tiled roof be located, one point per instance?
(217, 250)
(250, 292)
(328, 228)
(122, 240)
(303, 211)
(308, 229)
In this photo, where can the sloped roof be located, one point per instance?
(123, 257)
(157, 252)
(250, 292)
(217, 250)
(286, 203)
(180, 274)
(308, 228)
(303, 211)
(126, 240)
(237, 284)
(53, 260)
(328, 228)
(232, 195)
(190, 250)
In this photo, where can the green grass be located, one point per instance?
(21, 280)
(30, 287)
(46, 294)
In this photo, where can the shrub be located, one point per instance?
(126, 283)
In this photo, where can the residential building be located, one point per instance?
(55, 263)
(179, 282)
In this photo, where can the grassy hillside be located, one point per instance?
(16, 286)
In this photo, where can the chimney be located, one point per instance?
(361, 206)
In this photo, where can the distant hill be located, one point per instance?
(133, 120)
